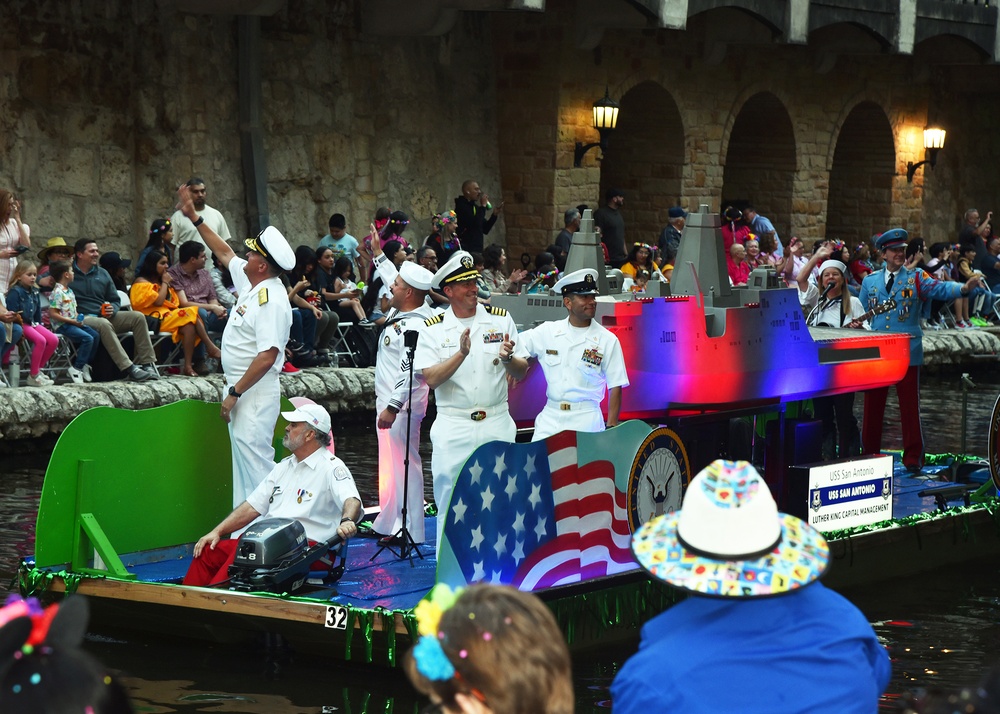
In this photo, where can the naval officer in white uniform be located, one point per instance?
(581, 360)
(253, 346)
(409, 286)
(465, 354)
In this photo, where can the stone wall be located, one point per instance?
(31, 413)
(108, 105)
(758, 121)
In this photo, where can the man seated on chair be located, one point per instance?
(100, 304)
(312, 486)
(195, 289)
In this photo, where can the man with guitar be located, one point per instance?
(830, 305)
(909, 288)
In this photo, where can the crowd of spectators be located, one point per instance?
(334, 282)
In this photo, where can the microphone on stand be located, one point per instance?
(820, 305)
(410, 339)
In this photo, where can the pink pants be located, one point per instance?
(43, 346)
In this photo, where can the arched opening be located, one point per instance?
(864, 162)
(645, 158)
(760, 162)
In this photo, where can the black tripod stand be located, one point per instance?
(402, 538)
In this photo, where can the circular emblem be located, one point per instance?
(386, 341)
(994, 447)
(660, 473)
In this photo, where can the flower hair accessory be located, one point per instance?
(440, 220)
(647, 246)
(430, 658)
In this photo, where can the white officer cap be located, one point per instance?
(312, 414)
(416, 276)
(579, 282)
(458, 269)
(273, 246)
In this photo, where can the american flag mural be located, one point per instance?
(542, 514)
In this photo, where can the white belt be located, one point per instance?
(473, 413)
(587, 405)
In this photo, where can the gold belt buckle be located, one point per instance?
(478, 416)
(565, 407)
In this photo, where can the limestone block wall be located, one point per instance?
(108, 105)
(768, 123)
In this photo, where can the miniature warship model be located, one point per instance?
(704, 345)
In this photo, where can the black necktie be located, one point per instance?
(888, 285)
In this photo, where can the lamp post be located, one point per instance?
(933, 143)
(605, 121)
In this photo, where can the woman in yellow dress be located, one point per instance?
(641, 258)
(152, 295)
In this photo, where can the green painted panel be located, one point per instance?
(155, 478)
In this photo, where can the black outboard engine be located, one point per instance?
(273, 555)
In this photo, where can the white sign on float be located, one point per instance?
(850, 493)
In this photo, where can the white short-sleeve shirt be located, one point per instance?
(312, 491)
(260, 320)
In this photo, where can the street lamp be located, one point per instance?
(605, 121)
(933, 143)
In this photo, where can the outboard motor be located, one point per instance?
(273, 555)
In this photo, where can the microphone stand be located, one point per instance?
(820, 305)
(407, 546)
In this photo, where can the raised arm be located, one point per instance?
(803, 277)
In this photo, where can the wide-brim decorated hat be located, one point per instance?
(729, 540)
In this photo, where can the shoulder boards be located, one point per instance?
(498, 311)
(434, 320)
(262, 296)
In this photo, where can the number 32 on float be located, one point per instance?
(336, 617)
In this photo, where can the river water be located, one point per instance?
(942, 628)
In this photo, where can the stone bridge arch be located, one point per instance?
(761, 159)
(862, 166)
(645, 158)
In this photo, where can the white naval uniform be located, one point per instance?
(580, 365)
(830, 315)
(472, 405)
(392, 383)
(312, 491)
(255, 325)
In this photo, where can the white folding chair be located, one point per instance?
(340, 348)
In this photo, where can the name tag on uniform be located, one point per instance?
(551, 352)
(492, 337)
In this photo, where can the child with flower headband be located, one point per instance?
(443, 238)
(161, 238)
(43, 669)
(490, 649)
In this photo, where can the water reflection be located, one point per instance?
(942, 628)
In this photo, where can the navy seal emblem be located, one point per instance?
(660, 473)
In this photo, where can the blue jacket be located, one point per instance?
(27, 303)
(808, 651)
(910, 289)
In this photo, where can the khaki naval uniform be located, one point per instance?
(580, 364)
(259, 321)
(472, 405)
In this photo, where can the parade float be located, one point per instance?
(554, 517)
